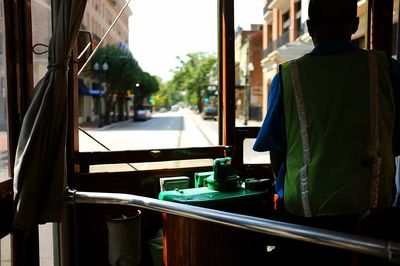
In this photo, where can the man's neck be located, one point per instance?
(332, 46)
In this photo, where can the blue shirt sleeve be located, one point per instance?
(271, 136)
(395, 68)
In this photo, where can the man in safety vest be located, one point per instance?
(331, 125)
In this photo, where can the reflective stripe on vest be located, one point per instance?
(305, 199)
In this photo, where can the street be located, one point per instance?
(182, 128)
(173, 129)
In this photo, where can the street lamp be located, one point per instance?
(250, 68)
(104, 68)
(134, 100)
(101, 72)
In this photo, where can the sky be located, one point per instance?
(162, 30)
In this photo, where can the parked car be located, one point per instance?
(162, 109)
(142, 114)
(210, 113)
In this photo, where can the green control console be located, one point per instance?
(222, 190)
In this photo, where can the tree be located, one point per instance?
(161, 97)
(122, 75)
(147, 86)
(194, 75)
(117, 79)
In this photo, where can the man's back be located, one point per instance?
(330, 29)
(331, 124)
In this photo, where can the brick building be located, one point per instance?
(248, 73)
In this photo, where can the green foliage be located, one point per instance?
(161, 98)
(124, 72)
(148, 85)
(189, 83)
(193, 76)
(122, 75)
(173, 94)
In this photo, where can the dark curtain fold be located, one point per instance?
(40, 164)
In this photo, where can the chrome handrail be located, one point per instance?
(351, 242)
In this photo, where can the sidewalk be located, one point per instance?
(93, 125)
(45, 247)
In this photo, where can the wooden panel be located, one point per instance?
(144, 183)
(226, 79)
(381, 13)
(6, 207)
(242, 133)
(189, 242)
(155, 155)
(176, 248)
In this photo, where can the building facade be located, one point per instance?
(285, 35)
(248, 73)
(99, 16)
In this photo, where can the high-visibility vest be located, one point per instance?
(339, 119)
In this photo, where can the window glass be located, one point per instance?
(41, 34)
(253, 157)
(152, 83)
(250, 93)
(5, 251)
(249, 25)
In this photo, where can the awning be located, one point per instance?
(295, 49)
(288, 51)
(84, 90)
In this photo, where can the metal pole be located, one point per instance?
(104, 36)
(246, 101)
(361, 244)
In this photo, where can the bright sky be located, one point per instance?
(161, 30)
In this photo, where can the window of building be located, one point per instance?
(286, 22)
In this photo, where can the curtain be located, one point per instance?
(40, 163)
